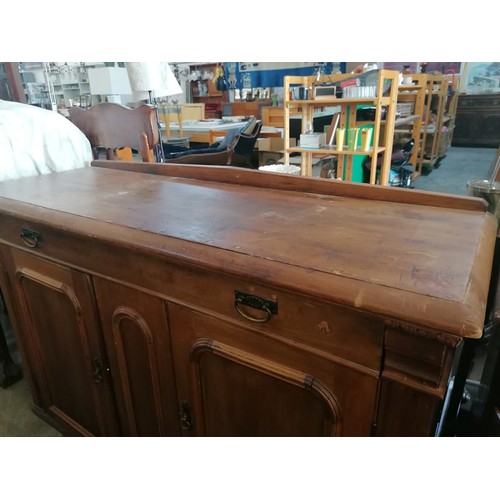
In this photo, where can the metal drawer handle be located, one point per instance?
(31, 238)
(269, 306)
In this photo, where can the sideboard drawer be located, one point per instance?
(338, 331)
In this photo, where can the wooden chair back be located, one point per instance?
(118, 129)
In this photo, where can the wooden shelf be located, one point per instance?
(213, 98)
(410, 88)
(436, 89)
(325, 150)
(382, 131)
(339, 101)
(407, 120)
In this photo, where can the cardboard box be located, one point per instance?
(314, 140)
(271, 149)
(273, 144)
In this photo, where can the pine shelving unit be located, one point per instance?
(450, 113)
(383, 130)
(435, 99)
(409, 125)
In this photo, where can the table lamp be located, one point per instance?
(152, 80)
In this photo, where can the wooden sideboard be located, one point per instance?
(477, 121)
(167, 300)
(245, 108)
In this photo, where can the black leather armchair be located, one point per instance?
(234, 150)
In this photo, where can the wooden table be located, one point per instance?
(158, 299)
(198, 130)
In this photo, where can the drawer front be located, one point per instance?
(20, 233)
(487, 101)
(411, 357)
(352, 336)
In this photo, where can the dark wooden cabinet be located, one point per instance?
(62, 346)
(147, 302)
(478, 121)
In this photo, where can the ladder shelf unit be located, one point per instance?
(410, 117)
(450, 112)
(435, 99)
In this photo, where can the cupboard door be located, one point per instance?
(61, 343)
(234, 381)
(138, 344)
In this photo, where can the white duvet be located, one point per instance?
(37, 141)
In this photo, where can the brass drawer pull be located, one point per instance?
(269, 306)
(31, 238)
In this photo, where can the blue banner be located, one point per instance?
(271, 74)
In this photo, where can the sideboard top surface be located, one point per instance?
(406, 252)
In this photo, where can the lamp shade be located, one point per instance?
(156, 77)
(109, 81)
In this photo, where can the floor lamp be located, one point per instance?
(152, 80)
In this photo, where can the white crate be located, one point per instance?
(314, 140)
